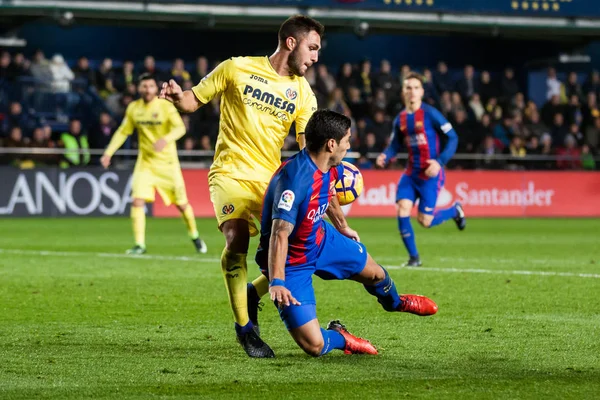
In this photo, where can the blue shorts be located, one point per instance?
(425, 190)
(340, 258)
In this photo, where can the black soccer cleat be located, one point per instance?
(200, 245)
(254, 346)
(460, 219)
(413, 262)
(254, 306)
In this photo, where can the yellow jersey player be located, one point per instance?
(261, 98)
(158, 125)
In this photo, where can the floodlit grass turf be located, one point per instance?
(78, 324)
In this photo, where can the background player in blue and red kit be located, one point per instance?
(418, 128)
(296, 242)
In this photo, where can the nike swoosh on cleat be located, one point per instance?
(229, 269)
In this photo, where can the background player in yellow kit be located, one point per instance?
(158, 125)
(261, 98)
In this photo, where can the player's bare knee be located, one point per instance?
(374, 276)
(313, 349)
(182, 207)
(379, 275)
(138, 202)
(373, 272)
(404, 208)
(404, 212)
(231, 239)
(425, 221)
(237, 236)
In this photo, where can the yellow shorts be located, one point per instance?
(166, 179)
(237, 199)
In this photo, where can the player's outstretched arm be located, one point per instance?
(337, 218)
(451, 145)
(443, 127)
(119, 137)
(381, 160)
(301, 141)
(115, 143)
(184, 101)
(304, 114)
(278, 250)
(394, 147)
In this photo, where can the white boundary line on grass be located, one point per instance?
(498, 271)
(201, 259)
(107, 255)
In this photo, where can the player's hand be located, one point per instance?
(159, 145)
(381, 160)
(351, 233)
(171, 91)
(433, 169)
(282, 296)
(105, 161)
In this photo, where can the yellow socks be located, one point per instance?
(138, 221)
(190, 221)
(235, 273)
(261, 284)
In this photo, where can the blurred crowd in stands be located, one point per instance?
(46, 103)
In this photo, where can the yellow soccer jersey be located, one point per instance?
(155, 120)
(258, 107)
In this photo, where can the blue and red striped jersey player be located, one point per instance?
(418, 128)
(296, 242)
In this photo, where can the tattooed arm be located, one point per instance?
(278, 250)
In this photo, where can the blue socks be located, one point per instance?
(408, 235)
(443, 215)
(242, 330)
(333, 340)
(386, 292)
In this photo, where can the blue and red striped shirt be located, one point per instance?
(419, 133)
(299, 193)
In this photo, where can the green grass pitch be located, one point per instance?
(519, 316)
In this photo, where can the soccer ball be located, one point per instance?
(350, 186)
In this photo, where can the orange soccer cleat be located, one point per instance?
(418, 305)
(354, 345)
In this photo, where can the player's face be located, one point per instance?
(148, 89)
(341, 149)
(305, 53)
(412, 91)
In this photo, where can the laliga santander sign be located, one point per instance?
(492, 193)
(54, 192)
(482, 193)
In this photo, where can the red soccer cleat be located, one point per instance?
(354, 345)
(418, 305)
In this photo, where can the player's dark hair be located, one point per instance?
(415, 75)
(146, 77)
(323, 126)
(299, 25)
